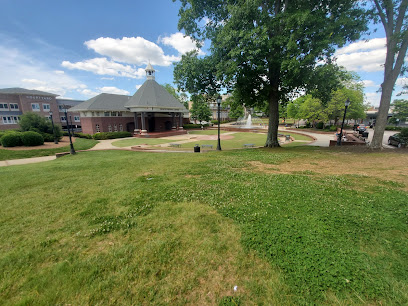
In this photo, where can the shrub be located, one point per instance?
(11, 139)
(308, 125)
(83, 135)
(404, 132)
(193, 126)
(320, 125)
(30, 139)
(47, 137)
(214, 121)
(393, 128)
(111, 135)
(333, 128)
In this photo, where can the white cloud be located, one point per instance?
(104, 78)
(103, 66)
(138, 86)
(113, 90)
(33, 82)
(88, 92)
(132, 50)
(402, 82)
(363, 45)
(373, 98)
(59, 71)
(19, 69)
(181, 43)
(369, 83)
(363, 55)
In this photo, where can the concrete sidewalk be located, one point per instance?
(24, 161)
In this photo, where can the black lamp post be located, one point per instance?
(72, 151)
(219, 99)
(53, 129)
(339, 137)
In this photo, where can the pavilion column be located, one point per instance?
(136, 119)
(173, 121)
(180, 121)
(143, 131)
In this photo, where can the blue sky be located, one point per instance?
(78, 49)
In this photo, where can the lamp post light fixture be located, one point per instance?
(53, 129)
(219, 99)
(339, 137)
(72, 150)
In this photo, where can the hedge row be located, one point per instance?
(193, 126)
(393, 128)
(28, 139)
(111, 135)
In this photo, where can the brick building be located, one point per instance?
(16, 101)
(151, 109)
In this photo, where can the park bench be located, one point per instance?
(206, 146)
(249, 145)
(175, 145)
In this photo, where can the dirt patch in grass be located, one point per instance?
(47, 145)
(214, 137)
(383, 167)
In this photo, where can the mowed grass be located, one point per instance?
(141, 141)
(121, 227)
(79, 144)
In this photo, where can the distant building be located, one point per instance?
(224, 111)
(151, 109)
(16, 101)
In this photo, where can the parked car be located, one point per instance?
(361, 129)
(397, 140)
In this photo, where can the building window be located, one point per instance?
(61, 107)
(93, 114)
(113, 114)
(115, 127)
(10, 120)
(119, 114)
(98, 129)
(98, 114)
(35, 107)
(107, 114)
(46, 107)
(121, 127)
(14, 106)
(63, 118)
(3, 106)
(109, 128)
(76, 119)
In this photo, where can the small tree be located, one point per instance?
(34, 122)
(312, 110)
(400, 110)
(200, 110)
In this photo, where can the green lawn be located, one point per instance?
(121, 227)
(79, 144)
(240, 139)
(141, 141)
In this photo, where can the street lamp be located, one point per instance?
(72, 151)
(53, 129)
(219, 99)
(346, 104)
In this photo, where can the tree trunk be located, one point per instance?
(382, 116)
(272, 140)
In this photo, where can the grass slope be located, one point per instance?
(187, 228)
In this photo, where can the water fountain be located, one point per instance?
(250, 121)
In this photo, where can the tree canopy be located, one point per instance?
(265, 50)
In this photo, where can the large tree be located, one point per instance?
(264, 49)
(393, 16)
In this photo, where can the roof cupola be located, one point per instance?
(150, 72)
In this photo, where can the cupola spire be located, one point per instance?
(150, 72)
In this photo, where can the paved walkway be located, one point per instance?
(24, 161)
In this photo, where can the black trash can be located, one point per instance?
(364, 134)
(196, 148)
